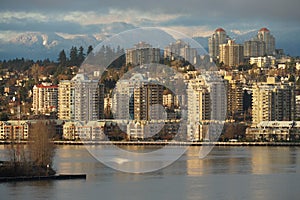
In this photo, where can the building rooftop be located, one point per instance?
(264, 30)
(219, 30)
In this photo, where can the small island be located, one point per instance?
(33, 160)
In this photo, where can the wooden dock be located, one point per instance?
(41, 178)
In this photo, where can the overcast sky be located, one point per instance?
(193, 17)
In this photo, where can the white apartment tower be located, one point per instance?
(123, 97)
(88, 98)
(199, 109)
(265, 35)
(181, 49)
(218, 37)
(206, 106)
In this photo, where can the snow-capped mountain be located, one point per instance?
(38, 45)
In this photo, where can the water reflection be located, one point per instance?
(222, 160)
(226, 173)
(265, 160)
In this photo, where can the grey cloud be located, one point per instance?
(51, 26)
(213, 13)
(214, 9)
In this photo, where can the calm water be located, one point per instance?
(226, 173)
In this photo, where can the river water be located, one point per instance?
(225, 173)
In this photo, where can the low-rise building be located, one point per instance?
(274, 131)
(14, 130)
(90, 131)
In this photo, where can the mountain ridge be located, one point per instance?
(40, 45)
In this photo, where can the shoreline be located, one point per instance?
(163, 143)
(42, 178)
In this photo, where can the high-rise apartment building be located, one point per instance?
(138, 99)
(148, 102)
(254, 48)
(179, 50)
(272, 101)
(44, 98)
(218, 37)
(142, 53)
(123, 97)
(231, 54)
(234, 96)
(80, 99)
(199, 109)
(265, 36)
(66, 100)
(206, 105)
(88, 98)
(218, 96)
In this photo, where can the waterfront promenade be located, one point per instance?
(163, 143)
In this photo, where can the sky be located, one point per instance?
(191, 17)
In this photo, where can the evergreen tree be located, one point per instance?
(73, 56)
(90, 49)
(81, 56)
(62, 58)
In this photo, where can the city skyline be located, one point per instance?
(96, 20)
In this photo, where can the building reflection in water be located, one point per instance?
(267, 160)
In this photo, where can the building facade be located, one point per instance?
(88, 99)
(234, 96)
(180, 50)
(272, 101)
(198, 108)
(14, 130)
(142, 53)
(218, 38)
(123, 97)
(45, 98)
(263, 62)
(265, 35)
(274, 131)
(254, 48)
(66, 100)
(148, 102)
(231, 54)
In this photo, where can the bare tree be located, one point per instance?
(40, 145)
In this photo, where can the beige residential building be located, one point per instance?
(272, 101)
(45, 98)
(14, 130)
(263, 62)
(86, 131)
(66, 100)
(231, 54)
(274, 131)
